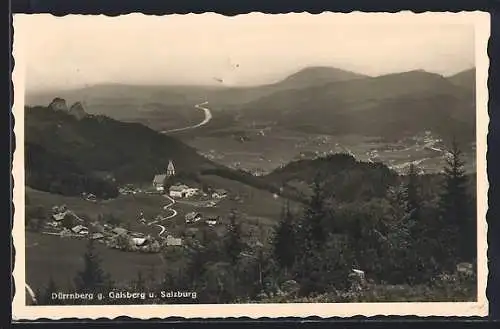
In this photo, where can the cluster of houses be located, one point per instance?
(180, 191)
(128, 189)
(196, 217)
(112, 236)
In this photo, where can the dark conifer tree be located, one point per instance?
(315, 223)
(233, 240)
(283, 242)
(454, 207)
(313, 231)
(92, 278)
(413, 200)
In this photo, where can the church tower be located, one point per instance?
(170, 169)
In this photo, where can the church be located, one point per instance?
(159, 180)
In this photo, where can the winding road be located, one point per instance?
(166, 208)
(208, 117)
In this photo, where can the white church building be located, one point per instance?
(159, 180)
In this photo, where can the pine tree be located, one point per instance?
(412, 198)
(92, 278)
(284, 240)
(412, 191)
(233, 240)
(313, 231)
(454, 206)
(196, 267)
(315, 225)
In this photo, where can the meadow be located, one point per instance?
(266, 152)
(62, 258)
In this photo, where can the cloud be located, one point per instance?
(242, 50)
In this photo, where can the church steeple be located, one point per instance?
(170, 169)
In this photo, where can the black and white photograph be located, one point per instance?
(247, 165)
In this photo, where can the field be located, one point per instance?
(61, 258)
(265, 150)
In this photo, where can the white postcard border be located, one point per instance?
(480, 308)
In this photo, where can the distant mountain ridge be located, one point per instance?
(392, 105)
(314, 99)
(465, 79)
(221, 96)
(317, 75)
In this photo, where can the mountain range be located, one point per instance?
(392, 106)
(315, 99)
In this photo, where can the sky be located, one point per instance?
(77, 50)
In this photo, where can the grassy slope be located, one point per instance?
(131, 151)
(257, 211)
(61, 258)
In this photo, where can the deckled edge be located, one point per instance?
(480, 308)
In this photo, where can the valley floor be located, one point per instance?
(263, 150)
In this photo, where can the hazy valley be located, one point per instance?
(313, 112)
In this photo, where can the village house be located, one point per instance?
(91, 197)
(219, 193)
(96, 236)
(80, 229)
(139, 241)
(53, 224)
(119, 231)
(65, 232)
(212, 221)
(137, 235)
(178, 191)
(171, 241)
(190, 192)
(159, 180)
(193, 217)
(59, 216)
(128, 190)
(59, 209)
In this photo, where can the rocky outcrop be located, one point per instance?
(58, 104)
(77, 110)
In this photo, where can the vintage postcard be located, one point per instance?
(294, 165)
